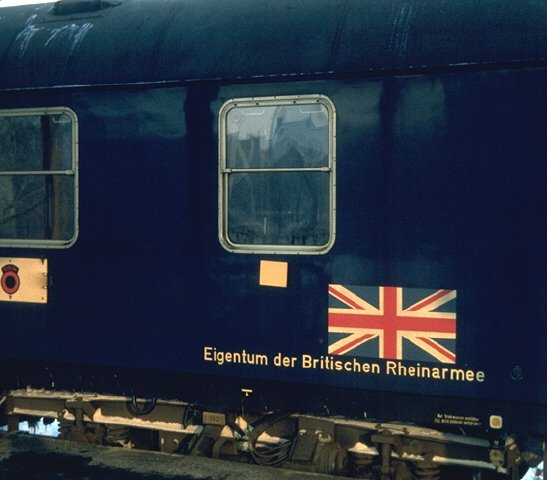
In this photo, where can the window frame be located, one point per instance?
(224, 174)
(48, 243)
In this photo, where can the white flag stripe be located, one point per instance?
(414, 334)
(347, 343)
(346, 311)
(434, 352)
(422, 313)
(339, 292)
(450, 295)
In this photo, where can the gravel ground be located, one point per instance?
(31, 457)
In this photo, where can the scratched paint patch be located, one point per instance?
(71, 34)
(25, 36)
(70, 37)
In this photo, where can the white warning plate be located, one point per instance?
(23, 280)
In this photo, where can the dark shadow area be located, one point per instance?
(48, 466)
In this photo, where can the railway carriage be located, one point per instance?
(301, 233)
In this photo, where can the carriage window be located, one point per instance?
(38, 178)
(276, 187)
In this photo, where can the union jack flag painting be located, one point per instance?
(392, 323)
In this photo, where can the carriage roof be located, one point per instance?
(108, 42)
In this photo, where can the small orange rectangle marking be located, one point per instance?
(273, 274)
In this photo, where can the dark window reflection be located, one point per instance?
(37, 181)
(284, 208)
(278, 185)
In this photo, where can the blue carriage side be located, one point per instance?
(324, 207)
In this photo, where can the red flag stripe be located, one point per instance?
(335, 293)
(429, 300)
(352, 344)
(364, 321)
(439, 348)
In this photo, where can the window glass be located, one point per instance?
(278, 136)
(279, 208)
(277, 174)
(37, 177)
